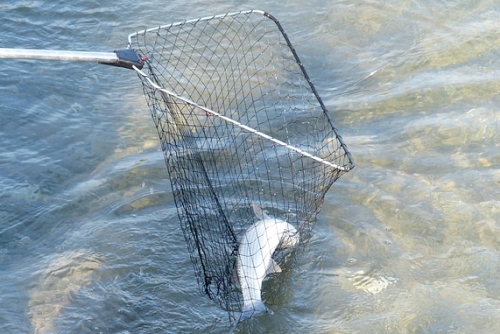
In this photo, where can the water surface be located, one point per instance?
(406, 243)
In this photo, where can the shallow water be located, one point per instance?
(406, 242)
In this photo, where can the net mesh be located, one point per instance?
(239, 123)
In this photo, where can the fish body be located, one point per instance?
(255, 258)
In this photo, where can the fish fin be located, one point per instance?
(273, 268)
(236, 279)
(259, 212)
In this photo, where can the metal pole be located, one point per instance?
(58, 55)
(122, 58)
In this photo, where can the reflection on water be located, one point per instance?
(65, 275)
(407, 242)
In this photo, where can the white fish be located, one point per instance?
(255, 258)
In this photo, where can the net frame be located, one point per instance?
(240, 122)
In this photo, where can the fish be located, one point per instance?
(255, 260)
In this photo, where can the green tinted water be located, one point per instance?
(407, 242)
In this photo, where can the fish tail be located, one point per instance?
(253, 310)
(250, 310)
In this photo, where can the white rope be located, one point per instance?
(243, 126)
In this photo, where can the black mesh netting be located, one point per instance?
(240, 124)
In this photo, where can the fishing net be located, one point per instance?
(239, 123)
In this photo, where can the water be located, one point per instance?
(406, 242)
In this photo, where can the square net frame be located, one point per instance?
(239, 122)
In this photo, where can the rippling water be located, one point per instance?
(408, 242)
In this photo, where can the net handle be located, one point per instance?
(243, 126)
(121, 58)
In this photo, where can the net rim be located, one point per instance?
(341, 168)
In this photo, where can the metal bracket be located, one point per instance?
(126, 58)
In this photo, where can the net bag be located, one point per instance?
(245, 137)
